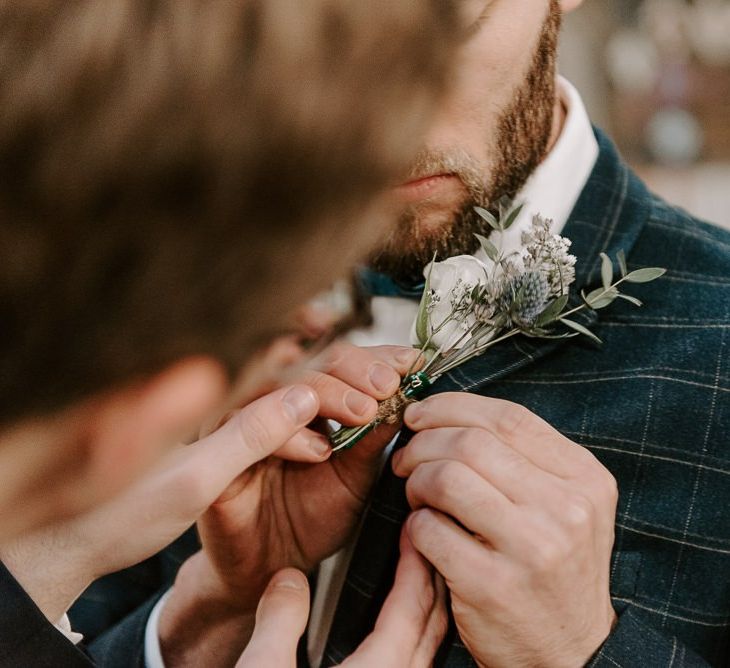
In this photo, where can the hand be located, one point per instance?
(56, 564)
(280, 514)
(407, 634)
(519, 521)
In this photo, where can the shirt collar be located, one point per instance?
(555, 186)
(552, 191)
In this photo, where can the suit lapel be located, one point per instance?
(608, 217)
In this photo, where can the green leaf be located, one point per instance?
(633, 300)
(519, 296)
(422, 318)
(606, 271)
(645, 275)
(552, 311)
(581, 329)
(485, 215)
(601, 298)
(489, 248)
(512, 217)
(621, 257)
(591, 296)
(504, 206)
(541, 334)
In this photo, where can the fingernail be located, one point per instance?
(406, 357)
(319, 446)
(382, 377)
(413, 413)
(300, 404)
(397, 456)
(289, 583)
(357, 402)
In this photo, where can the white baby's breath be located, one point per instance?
(469, 306)
(450, 305)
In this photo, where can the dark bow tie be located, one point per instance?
(376, 284)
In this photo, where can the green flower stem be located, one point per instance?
(584, 306)
(345, 437)
(440, 371)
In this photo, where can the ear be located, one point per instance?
(569, 5)
(133, 426)
(58, 466)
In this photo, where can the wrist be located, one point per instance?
(200, 623)
(594, 641)
(53, 580)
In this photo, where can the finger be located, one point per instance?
(252, 434)
(375, 371)
(403, 360)
(281, 618)
(403, 617)
(340, 401)
(458, 491)
(459, 557)
(306, 446)
(508, 470)
(435, 632)
(511, 423)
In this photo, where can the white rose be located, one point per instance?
(450, 281)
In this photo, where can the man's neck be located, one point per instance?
(559, 115)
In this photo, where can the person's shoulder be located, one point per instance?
(687, 244)
(676, 218)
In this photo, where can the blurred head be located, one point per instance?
(175, 177)
(495, 128)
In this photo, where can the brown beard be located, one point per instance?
(523, 134)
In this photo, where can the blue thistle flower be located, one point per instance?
(525, 297)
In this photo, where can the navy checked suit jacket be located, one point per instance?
(653, 405)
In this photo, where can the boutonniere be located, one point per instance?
(469, 306)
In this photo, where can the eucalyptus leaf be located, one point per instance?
(601, 298)
(606, 271)
(552, 311)
(504, 205)
(422, 318)
(512, 217)
(552, 337)
(485, 215)
(621, 257)
(581, 329)
(489, 248)
(645, 275)
(592, 296)
(633, 300)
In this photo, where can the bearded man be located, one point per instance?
(575, 500)
(517, 456)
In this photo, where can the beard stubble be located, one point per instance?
(523, 133)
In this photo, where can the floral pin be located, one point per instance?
(469, 305)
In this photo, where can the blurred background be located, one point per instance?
(656, 75)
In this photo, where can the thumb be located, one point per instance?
(261, 428)
(281, 618)
(193, 477)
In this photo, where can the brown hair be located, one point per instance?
(176, 174)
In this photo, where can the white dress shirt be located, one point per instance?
(552, 191)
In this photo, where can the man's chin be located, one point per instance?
(424, 232)
(413, 247)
